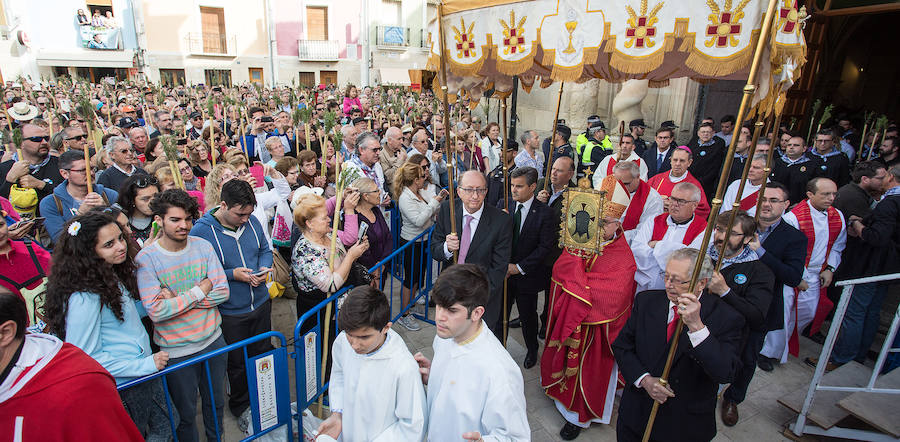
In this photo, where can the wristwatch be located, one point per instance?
(829, 268)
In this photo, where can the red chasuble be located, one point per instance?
(590, 303)
(664, 186)
(804, 220)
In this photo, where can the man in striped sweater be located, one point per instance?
(181, 282)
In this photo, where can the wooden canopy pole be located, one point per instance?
(446, 103)
(553, 138)
(749, 88)
(505, 205)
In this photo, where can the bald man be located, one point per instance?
(393, 155)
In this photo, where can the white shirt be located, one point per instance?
(652, 260)
(526, 207)
(652, 207)
(267, 200)
(475, 386)
(600, 173)
(380, 394)
(491, 152)
(817, 259)
(731, 194)
(472, 227)
(696, 338)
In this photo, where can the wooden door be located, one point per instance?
(212, 21)
(316, 23)
(307, 78)
(328, 77)
(256, 76)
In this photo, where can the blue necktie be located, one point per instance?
(659, 161)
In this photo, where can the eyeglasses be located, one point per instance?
(76, 138)
(733, 233)
(38, 139)
(679, 201)
(146, 181)
(773, 200)
(471, 190)
(671, 278)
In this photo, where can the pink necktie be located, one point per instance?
(670, 328)
(466, 238)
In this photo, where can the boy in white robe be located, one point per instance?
(375, 391)
(475, 389)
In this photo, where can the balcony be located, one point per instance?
(397, 37)
(319, 50)
(211, 44)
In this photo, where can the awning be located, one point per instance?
(395, 76)
(87, 58)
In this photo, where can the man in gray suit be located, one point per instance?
(484, 239)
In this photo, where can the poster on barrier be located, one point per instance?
(269, 388)
(311, 360)
(100, 38)
(265, 391)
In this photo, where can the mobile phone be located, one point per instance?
(260, 273)
(257, 172)
(363, 229)
(154, 229)
(266, 120)
(38, 222)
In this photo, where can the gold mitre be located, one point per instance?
(617, 196)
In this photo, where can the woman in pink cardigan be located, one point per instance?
(351, 99)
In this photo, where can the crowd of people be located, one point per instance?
(149, 225)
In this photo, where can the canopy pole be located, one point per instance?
(740, 192)
(769, 156)
(749, 88)
(553, 138)
(446, 103)
(505, 205)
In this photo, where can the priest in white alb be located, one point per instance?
(826, 236)
(644, 202)
(750, 193)
(657, 237)
(625, 153)
(475, 389)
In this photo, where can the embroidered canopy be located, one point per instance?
(489, 41)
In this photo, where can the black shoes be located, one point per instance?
(765, 363)
(515, 323)
(569, 431)
(530, 359)
(542, 332)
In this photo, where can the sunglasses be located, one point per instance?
(146, 181)
(38, 139)
(76, 138)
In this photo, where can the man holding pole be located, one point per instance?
(707, 355)
(744, 283)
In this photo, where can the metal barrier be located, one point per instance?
(308, 347)
(799, 427)
(267, 379)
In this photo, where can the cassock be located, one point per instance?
(590, 303)
(380, 394)
(651, 261)
(664, 183)
(826, 234)
(475, 386)
(749, 197)
(606, 168)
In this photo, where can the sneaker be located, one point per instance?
(409, 323)
(244, 421)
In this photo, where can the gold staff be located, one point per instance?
(749, 88)
(769, 155)
(446, 121)
(505, 205)
(553, 137)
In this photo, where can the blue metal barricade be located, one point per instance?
(267, 379)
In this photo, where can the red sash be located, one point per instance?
(612, 163)
(749, 201)
(804, 220)
(697, 226)
(636, 206)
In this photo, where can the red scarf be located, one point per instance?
(804, 220)
(660, 226)
(636, 206)
(749, 201)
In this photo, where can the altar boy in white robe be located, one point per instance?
(375, 391)
(475, 389)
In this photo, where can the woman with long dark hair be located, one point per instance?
(92, 302)
(134, 198)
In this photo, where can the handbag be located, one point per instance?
(359, 275)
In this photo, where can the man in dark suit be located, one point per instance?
(561, 174)
(709, 154)
(707, 356)
(484, 238)
(532, 239)
(782, 248)
(657, 159)
(745, 284)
